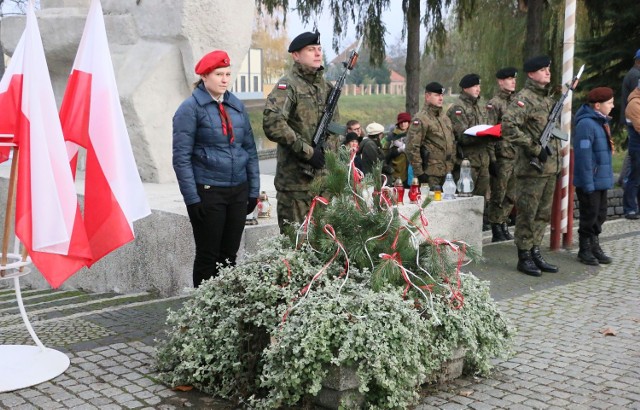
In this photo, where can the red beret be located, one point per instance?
(211, 61)
(600, 94)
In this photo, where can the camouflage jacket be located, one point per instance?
(432, 129)
(522, 125)
(291, 114)
(465, 113)
(497, 106)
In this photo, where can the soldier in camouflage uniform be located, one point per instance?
(522, 125)
(291, 115)
(465, 113)
(430, 144)
(503, 179)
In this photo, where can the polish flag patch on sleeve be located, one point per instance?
(282, 86)
(520, 104)
(458, 112)
(416, 122)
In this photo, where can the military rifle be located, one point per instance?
(332, 100)
(550, 129)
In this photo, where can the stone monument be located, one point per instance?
(154, 46)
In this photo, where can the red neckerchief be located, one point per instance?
(227, 126)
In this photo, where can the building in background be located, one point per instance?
(248, 84)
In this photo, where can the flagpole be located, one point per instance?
(562, 221)
(8, 216)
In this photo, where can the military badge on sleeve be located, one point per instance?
(520, 104)
(282, 86)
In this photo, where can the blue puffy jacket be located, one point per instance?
(592, 169)
(202, 154)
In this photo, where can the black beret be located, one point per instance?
(303, 40)
(469, 80)
(434, 87)
(507, 72)
(536, 63)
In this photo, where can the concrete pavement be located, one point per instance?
(563, 359)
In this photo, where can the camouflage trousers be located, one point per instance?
(293, 206)
(503, 191)
(534, 198)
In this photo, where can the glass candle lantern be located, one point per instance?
(465, 182)
(414, 191)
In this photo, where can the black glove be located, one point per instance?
(196, 211)
(317, 160)
(493, 169)
(251, 204)
(423, 179)
(542, 156)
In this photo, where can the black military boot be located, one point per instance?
(540, 262)
(505, 232)
(597, 251)
(498, 235)
(526, 264)
(585, 254)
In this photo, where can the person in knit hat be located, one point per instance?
(370, 148)
(216, 164)
(393, 147)
(593, 172)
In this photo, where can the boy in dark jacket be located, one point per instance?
(593, 173)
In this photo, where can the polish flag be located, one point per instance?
(485, 130)
(92, 117)
(48, 220)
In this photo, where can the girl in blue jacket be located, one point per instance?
(592, 172)
(216, 164)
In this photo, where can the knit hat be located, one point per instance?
(403, 117)
(600, 94)
(374, 129)
(351, 136)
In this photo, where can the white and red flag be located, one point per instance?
(92, 117)
(48, 220)
(485, 130)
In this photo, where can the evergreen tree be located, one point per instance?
(610, 45)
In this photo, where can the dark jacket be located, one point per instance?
(592, 169)
(202, 154)
(370, 153)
